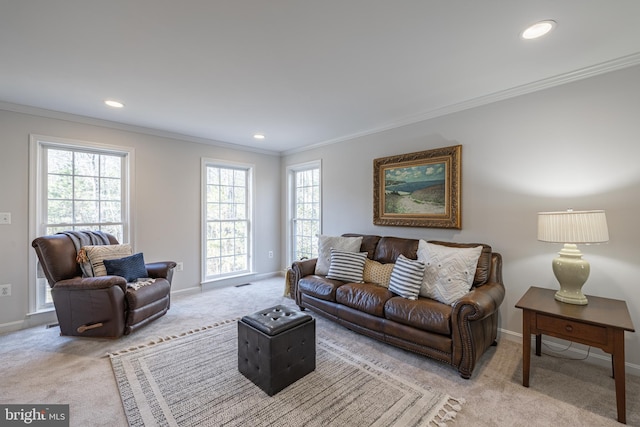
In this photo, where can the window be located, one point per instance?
(227, 219)
(77, 186)
(304, 211)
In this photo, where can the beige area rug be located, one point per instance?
(193, 380)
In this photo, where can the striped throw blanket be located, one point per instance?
(86, 238)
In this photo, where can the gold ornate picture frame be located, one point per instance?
(418, 189)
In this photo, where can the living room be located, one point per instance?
(565, 142)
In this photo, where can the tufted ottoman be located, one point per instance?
(276, 347)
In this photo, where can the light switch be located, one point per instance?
(5, 217)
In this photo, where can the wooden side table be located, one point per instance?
(601, 323)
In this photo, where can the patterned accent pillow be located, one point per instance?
(406, 277)
(97, 254)
(347, 266)
(376, 272)
(131, 267)
(325, 243)
(449, 271)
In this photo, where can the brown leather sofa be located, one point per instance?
(456, 334)
(100, 306)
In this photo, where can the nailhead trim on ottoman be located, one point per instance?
(276, 347)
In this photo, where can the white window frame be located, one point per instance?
(291, 202)
(38, 202)
(249, 168)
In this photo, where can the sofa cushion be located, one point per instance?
(377, 273)
(325, 243)
(424, 313)
(390, 248)
(147, 295)
(346, 266)
(320, 287)
(364, 297)
(406, 277)
(449, 271)
(484, 262)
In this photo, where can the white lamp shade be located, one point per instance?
(573, 227)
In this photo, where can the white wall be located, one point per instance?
(573, 146)
(166, 207)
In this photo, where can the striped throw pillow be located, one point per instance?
(98, 253)
(347, 266)
(326, 243)
(406, 277)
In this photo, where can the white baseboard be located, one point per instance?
(577, 351)
(187, 291)
(49, 317)
(239, 280)
(32, 320)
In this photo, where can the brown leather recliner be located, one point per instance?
(100, 306)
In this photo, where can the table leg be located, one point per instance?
(526, 346)
(613, 368)
(619, 374)
(538, 344)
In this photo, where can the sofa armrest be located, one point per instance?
(480, 302)
(161, 270)
(300, 269)
(305, 267)
(474, 320)
(91, 283)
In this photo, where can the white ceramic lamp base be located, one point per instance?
(572, 272)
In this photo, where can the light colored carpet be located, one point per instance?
(39, 366)
(193, 380)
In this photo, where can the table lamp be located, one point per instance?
(572, 228)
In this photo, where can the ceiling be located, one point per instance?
(302, 72)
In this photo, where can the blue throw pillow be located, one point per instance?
(131, 267)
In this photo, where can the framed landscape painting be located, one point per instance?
(418, 189)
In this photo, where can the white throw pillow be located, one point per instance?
(406, 277)
(347, 266)
(449, 271)
(325, 243)
(98, 253)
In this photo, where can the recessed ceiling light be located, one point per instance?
(114, 104)
(258, 136)
(538, 29)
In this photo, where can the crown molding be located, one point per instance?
(561, 79)
(59, 115)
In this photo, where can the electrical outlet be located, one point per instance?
(5, 217)
(270, 254)
(179, 266)
(5, 290)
